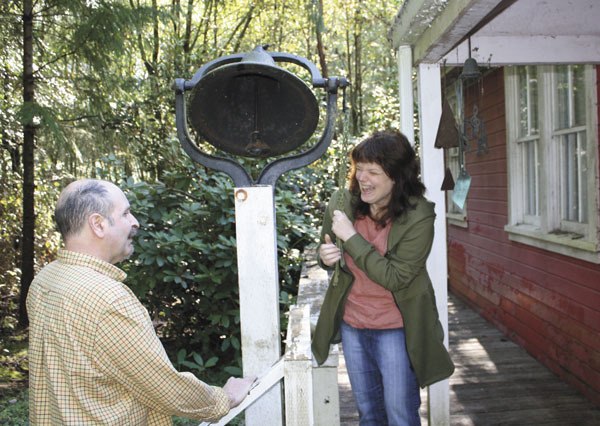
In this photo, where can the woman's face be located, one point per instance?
(375, 185)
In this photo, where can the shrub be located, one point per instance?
(185, 266)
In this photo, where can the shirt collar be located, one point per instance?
(81, 259)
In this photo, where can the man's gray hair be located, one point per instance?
(77, 204)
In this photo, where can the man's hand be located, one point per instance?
(237, 389)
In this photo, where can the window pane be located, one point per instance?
(534, 127)
(522, 72)
(582, 162)
(531, 178)
(578, 95)
(562, 97)
(528, 101)
(574, 193)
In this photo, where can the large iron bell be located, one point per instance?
(253, 107)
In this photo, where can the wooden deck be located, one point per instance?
(495, 383)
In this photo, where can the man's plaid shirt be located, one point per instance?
(94, 357)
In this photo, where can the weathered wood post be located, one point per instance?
(259, 294)
(297, 369)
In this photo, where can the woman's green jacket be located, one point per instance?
(402, 270)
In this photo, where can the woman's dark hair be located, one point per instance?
(391, 150)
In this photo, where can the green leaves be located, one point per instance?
(194, 361)
(185, 263)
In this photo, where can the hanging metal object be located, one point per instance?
(461, 189)
(470, 69)
(448, 134)
(473, 127)
(253, 107)
(448, 182)
(246, 105)
(475, 130)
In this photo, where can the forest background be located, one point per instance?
(86, 91)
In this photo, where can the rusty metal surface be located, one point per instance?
(253, 110)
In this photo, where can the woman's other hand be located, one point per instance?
(329, 252)
(342, 227)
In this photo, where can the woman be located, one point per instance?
(381, 303)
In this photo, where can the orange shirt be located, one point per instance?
(369, 305)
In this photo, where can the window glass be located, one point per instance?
(528, 127)
(531, 168)
(579, 95)
(562, 97)
(574, 177)
(528, 101)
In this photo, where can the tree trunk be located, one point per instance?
(28, 231)
(357, 107)
(320, 46)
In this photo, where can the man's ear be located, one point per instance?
(97, 224)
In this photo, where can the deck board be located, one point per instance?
(496, 382)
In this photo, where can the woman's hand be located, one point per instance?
(329, 252)
(342, 227)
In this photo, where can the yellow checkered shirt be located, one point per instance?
(94, 357)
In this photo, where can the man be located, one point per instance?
(94, 357)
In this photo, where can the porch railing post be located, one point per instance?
(297, 368)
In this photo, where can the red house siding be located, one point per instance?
(546, 302)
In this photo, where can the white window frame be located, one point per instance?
(547, 231)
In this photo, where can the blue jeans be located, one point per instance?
(383, 382)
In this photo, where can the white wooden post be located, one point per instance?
(298, 369)
(259, 295)
(405, 85)
(432, 171)
(326, 397)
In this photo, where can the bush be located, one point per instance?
(14, 408)
(185, 266)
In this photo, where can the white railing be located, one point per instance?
(311, 391)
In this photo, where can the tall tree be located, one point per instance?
(28, 230)
(319, 26)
